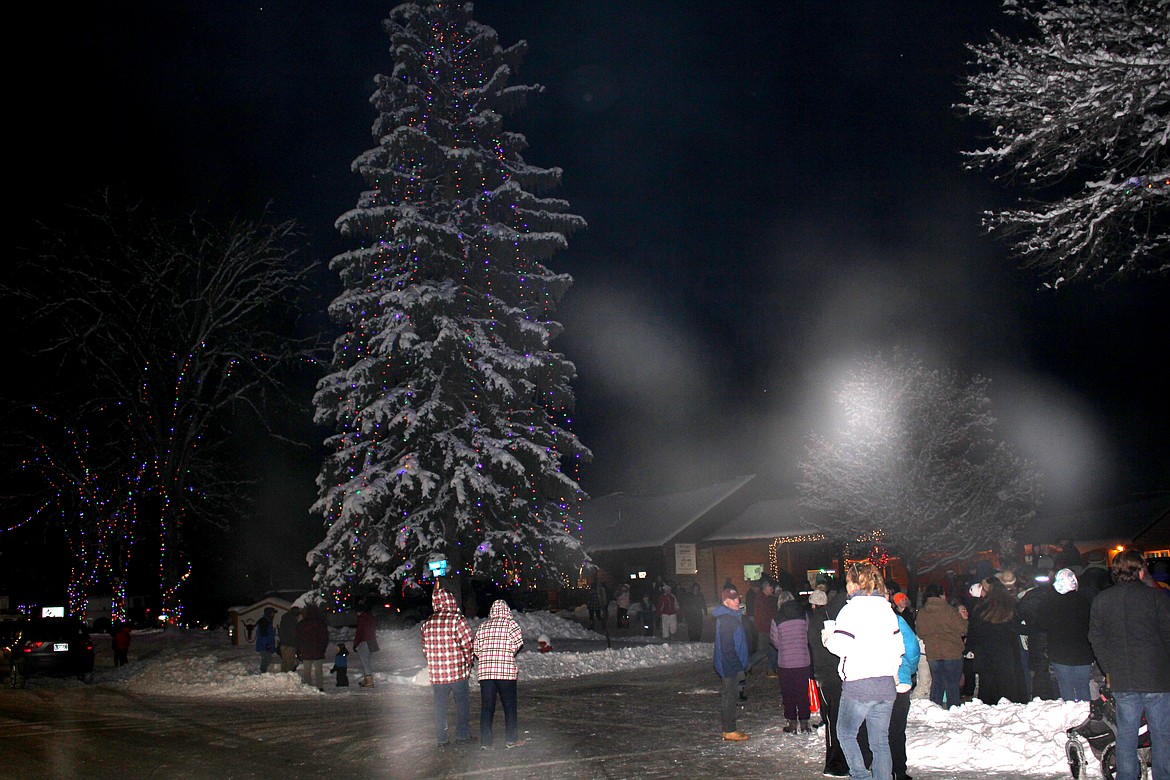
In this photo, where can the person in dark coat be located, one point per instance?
(288, 639)
(1094, 578)
(1129, 629)
(993, 635)
(828, 680)
(1067, 556)
(762, 623)
(312, 642)
(1031, 601)
(1064, 617)
(695, 610)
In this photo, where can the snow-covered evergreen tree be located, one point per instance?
(1080, 113)
(449, 409)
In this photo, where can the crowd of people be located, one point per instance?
(857, 650)
(1067, 630)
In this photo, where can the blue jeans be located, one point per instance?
(1073, 681)
(488, 691)
(876, 717)
(443, 693)
(1129, 718)
(945, 677)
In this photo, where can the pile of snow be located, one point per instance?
(1016, 739)
(1027, 738)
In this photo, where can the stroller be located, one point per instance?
(1100, 732)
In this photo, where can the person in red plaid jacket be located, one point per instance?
(496, 643)
(446, 641)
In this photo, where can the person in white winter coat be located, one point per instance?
(867, 639)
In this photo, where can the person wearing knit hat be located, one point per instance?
(818, 598)
(1064, 616)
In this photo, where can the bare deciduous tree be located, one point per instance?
(159, 334)
(1080, 113)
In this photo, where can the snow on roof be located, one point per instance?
(765, 519)
(623, 522)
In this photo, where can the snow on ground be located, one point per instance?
(1015, 739)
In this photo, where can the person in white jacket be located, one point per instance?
(869, 643)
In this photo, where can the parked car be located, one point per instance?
(59, 647)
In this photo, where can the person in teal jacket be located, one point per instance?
(901, 711)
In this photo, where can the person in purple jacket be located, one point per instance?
(789, 635)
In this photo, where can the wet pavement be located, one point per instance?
(657, 722)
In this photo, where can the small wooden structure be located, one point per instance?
(242, 620)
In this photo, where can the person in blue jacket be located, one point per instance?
(266, 638)
(731, 660)
(901, 711)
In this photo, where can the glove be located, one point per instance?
(902, 687)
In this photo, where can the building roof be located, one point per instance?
(765, 520)
(1156, 535)
(1105, 525)
(623, 522)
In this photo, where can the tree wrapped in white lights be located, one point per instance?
(1080, 112)
(450, 411)
(915, 466)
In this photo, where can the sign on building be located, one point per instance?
(685, 559)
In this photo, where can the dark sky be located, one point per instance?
(772, 189)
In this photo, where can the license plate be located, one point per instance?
(60, 647)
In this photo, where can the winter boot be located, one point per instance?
(805, 728)
(791, 727)
(367, 681)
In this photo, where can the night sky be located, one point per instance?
(772, 189)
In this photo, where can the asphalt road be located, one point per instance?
(660, 722)
(648, 723)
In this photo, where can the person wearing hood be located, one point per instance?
(867, 639)
(496, 644)
(446, 641)
(788, 631)
(266, 638)
(1064, 617)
